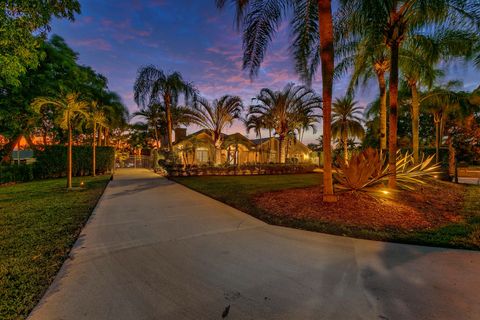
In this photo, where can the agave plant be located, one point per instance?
(368, 170)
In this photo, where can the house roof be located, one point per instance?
(237, 138)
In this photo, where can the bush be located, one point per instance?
(52, 161)
(16, 173)
(243, 169)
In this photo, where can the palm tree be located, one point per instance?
(444, 102)
(398, 20)
(257, 124)
(71, 106)
(153, 86)
(312, 29)
(215, 117)
(152, 114)
(346, 122)
(365, 58)
(418, 57)
(286, 110)
(97, 117)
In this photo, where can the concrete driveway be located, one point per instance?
(154, 249)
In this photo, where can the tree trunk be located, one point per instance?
(415, 121)
(69, 155)
(169, 121)
(281, 149)
(383, 110)
(451, 157)
(437, 138)
(218, 155)
(393, 118)
(94, 165)
(107, 136)
(327, 60)
(345, 145)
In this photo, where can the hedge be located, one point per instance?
(243, 169)
(16, 173)
(52, 161)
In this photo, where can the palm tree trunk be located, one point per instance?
(107, 136)
(169, 122)
(383, 110)
(281, 147)
(327, 60)
(393, 118)
(345, 145)
(451, 157)
(69, 155)
(94, 165)
(415, 121)
(437, 141)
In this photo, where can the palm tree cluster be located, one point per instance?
(398, 40)
(77, 111)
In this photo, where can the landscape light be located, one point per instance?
(81, 183)
(385, 192)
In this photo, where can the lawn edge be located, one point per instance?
(67, 254)
(303, 225)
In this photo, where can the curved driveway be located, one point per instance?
(154, 249)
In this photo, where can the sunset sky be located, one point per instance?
(116, 37)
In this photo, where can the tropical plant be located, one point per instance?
(312, 44)
(286, 111)
(153, 86)
(364, 58)
(367, 171)
(215, 117)
(418, 57)
(397, 21)
(71, 107)
(152, 114)
(97, 118)
(346, 122)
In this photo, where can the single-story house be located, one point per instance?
(198, 148)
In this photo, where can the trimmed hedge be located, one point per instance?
(16, 173)
(52, 161)
(243, 169)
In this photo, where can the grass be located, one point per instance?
(239, 192)
(39, 223)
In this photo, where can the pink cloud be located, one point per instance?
(98, 44)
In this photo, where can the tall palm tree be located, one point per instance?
(418, 57)
(71, 107)
(312, 29)
(364, 58)
(215, 117)
(154, 86)
(286, 110)
(346, 122)
(397, 20)
(444, 102)
(97, 118)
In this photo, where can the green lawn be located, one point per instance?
(39, 222)
(239, 192)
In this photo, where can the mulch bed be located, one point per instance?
(427, 207)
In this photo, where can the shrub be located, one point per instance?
(52, 161)
(369, 169)
(16, 173)
(243, 169)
